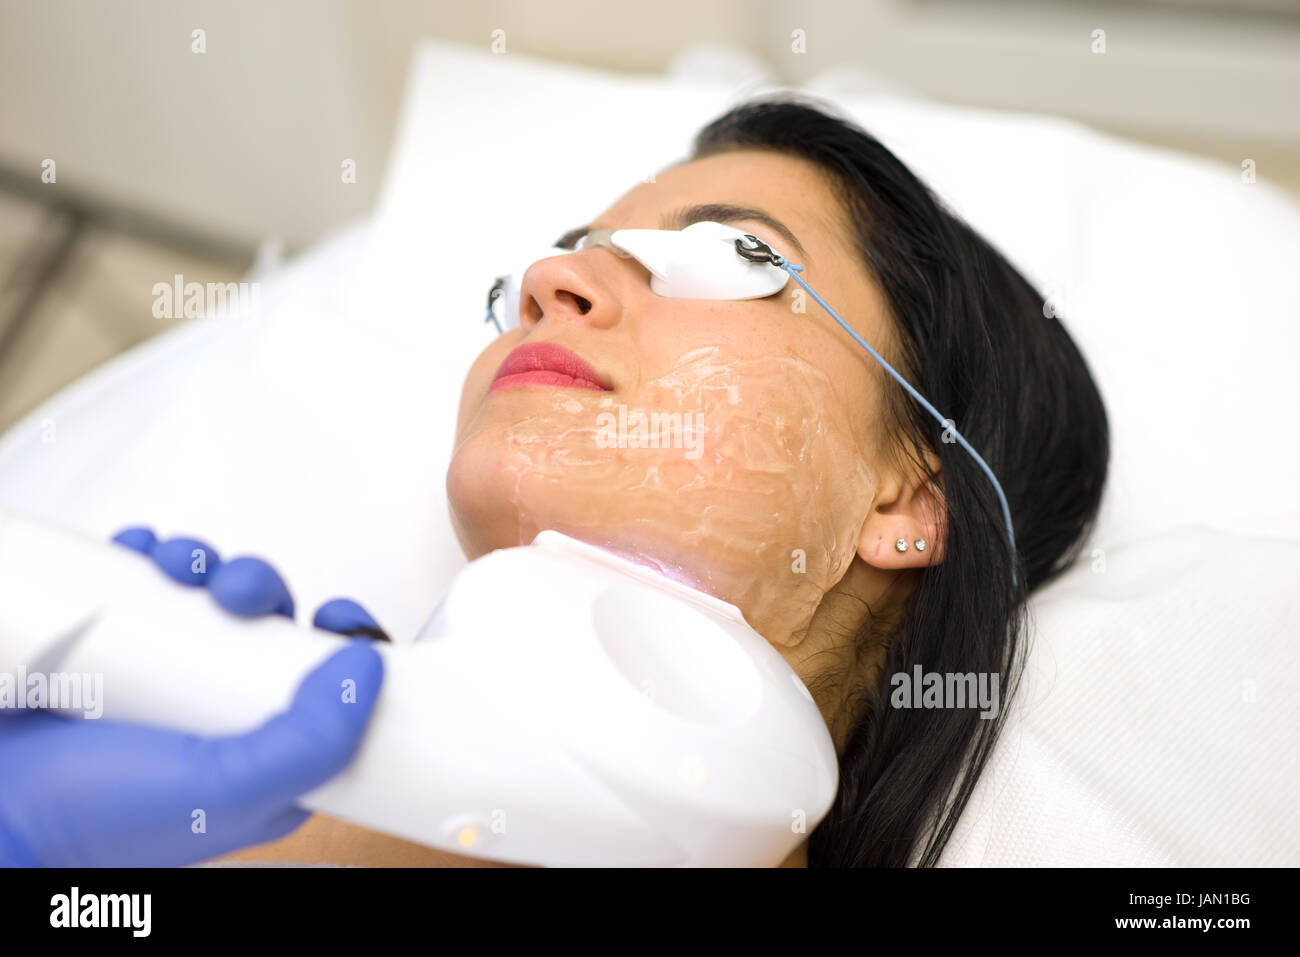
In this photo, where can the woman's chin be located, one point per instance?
(482, 515)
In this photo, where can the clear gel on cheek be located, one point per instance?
(744, 477)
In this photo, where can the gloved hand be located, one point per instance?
(245, 586)
(80, 793)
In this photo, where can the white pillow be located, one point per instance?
(318, 436)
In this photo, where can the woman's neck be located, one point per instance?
(841, 654)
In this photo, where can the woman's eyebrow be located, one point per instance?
(726, 213)
(568, 240)
(702, 213)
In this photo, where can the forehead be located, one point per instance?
(793, 190)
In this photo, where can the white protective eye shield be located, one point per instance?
(698, 262)
(714, 261)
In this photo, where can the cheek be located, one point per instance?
(741, 475)
(777, 497)
(479, 378)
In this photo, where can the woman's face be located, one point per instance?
(758, 460)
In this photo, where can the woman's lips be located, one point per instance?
(546, 364)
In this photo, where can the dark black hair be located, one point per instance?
(976, 339)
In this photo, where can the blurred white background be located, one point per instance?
(171, 161)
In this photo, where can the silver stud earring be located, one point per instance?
(920, 544)
(901, 544)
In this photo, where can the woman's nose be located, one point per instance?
(569, 288)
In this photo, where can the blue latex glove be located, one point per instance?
(81, 793)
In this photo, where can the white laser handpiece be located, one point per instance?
(563, 706)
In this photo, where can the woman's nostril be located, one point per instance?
(584, 305)
(538, 313)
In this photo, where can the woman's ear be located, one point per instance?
(907, 510)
